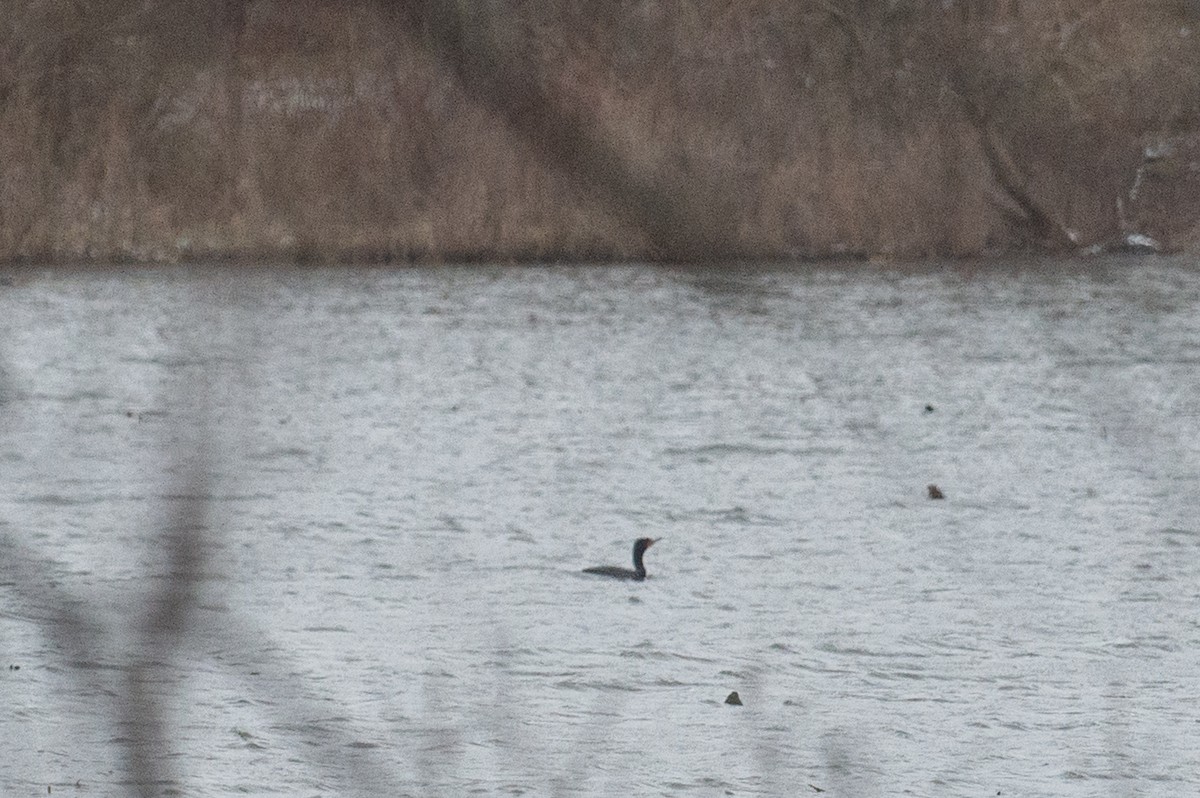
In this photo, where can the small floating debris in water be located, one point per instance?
(734, 699)
(14, 667)
(935, 492)
(815, 788)
(928, 408)
(1140, 244)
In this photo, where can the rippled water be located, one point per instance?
(408, 468)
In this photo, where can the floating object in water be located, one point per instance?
(639, 570)
(1140, 244)
(935, 492)
(734, 699)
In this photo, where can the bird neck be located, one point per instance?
(637, 562)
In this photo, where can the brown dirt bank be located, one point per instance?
(668, 129)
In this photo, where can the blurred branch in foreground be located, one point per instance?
(132, 661)
(684, 214)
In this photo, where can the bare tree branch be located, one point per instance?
(686, 215)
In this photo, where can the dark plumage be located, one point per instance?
(639, 570)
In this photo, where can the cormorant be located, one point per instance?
(639, 570)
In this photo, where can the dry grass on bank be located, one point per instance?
(321, 130)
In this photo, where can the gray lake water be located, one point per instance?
(392, 479)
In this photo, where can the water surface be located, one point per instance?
(399, 473)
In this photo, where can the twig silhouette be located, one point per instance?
(687, 215)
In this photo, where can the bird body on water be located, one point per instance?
(639, 569)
